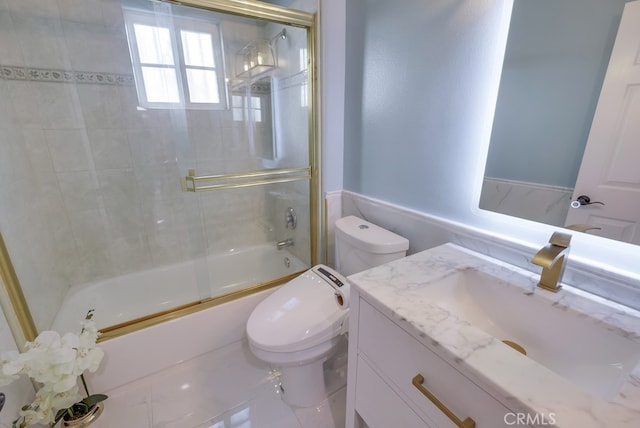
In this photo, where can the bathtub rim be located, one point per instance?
(141, 323)
(144, 352)
(225, 290)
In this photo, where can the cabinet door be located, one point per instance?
(399, 358)
(378, 405)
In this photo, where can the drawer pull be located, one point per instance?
(418, 381)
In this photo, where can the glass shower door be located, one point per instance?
(252, 174)
(171, 146)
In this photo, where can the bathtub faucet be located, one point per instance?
(284, 244)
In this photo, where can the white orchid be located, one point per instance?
(11, 363)
(55, 362)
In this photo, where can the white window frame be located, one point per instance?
(176, 24)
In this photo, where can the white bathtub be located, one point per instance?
(137, 294)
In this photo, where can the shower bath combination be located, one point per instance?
(164, 169)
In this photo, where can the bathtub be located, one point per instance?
(137, 294)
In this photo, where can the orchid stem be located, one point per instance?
(84, 384)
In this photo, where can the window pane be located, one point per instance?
(198, 49)
(256, 107)
(154, 44)
(160, 85)
(237, 107)
(304, 58)
(203, 86)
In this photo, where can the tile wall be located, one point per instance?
(91, 182)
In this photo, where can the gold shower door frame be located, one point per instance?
(12, 298)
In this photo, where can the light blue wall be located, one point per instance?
(332, 77)
(421, 85)
(557, 55)
(419, 82)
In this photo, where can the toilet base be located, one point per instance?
(303, 386)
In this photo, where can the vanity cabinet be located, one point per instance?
(395, 380)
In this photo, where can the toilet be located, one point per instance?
(299, 326)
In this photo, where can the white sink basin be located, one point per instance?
(565, 341)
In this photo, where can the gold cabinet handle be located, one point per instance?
(418, 381)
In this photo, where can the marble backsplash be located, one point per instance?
(531, 201)
(424, 232)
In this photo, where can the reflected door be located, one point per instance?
(609, 172)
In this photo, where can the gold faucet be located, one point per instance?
(552, 257)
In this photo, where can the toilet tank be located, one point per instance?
(361, 245)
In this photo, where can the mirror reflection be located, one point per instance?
(251, 103)
(561, 128)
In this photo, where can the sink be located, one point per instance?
(567, 342)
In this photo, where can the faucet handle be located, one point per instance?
(560, 239)
(582, 227)
(290, 218)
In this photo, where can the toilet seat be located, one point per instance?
(303, 323)
(301, 314)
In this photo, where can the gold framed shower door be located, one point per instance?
(12, 298)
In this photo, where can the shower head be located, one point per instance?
(281, 35)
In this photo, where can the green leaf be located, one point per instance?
(60, 414)
(94, 399)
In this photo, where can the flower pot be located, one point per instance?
(85, 420)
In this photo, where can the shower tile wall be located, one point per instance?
(91, 182)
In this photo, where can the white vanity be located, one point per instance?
(426, 350)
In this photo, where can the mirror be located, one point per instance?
(555, 63)
(252, 103)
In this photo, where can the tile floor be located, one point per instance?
(227, 388)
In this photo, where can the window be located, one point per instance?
(177, 61)
(247, 108)
(304, 61)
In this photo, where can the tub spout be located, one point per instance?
(284, 244)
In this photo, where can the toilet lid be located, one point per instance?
(299, 315)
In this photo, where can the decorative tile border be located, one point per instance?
(261, 88)
(10, 72)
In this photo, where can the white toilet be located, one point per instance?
(300, 325)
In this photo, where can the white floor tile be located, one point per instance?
(265, 411)
(128, 406)
(329, 414)
(227, 388)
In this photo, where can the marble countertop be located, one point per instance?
(523, 385)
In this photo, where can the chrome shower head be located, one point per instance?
(281, 35)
